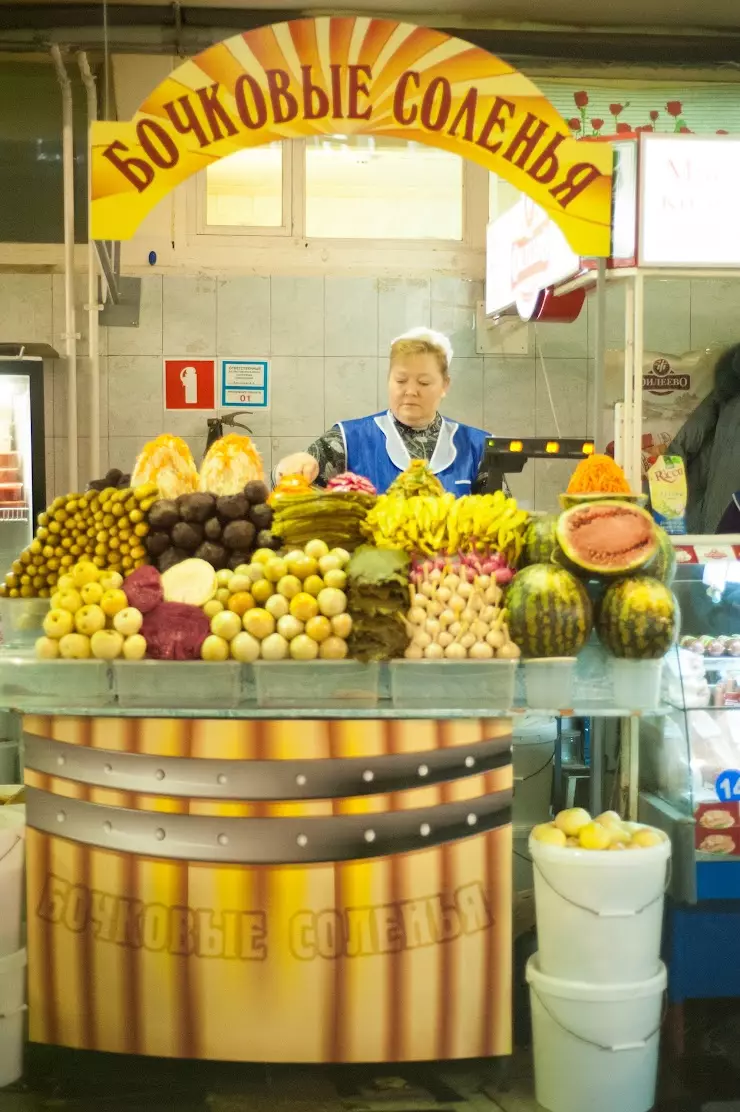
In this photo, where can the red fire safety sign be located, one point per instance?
(189, 384)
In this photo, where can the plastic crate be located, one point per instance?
(317, 683)
(481, 684)
(192, 684)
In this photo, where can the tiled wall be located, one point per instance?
(327, 339)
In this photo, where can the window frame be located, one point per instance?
(474, 216)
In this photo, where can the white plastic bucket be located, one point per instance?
(549, 682)
(595, 1046)
(599, 912)
(12, 1016)
(12, 853)
(637, 683)
(533, 749)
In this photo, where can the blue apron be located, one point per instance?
(374, 448)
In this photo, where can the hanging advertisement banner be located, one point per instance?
(353, 75)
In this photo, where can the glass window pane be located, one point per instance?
(245, 190)
(363, 187)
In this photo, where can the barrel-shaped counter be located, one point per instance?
(270, 890)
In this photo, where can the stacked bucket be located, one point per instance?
(597, 983)
(12, 953)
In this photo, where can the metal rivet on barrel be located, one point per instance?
(223, 839)
(300, 780)
(472, 819)
(61, 761)
(470, 762)
(423, 770)
(368, 776)
(61, 816)
(108, 827)
(369, 835)
(302, 840)
(159, 834)
(425, 830)
(107, 768)
(221, 778)
(159, 774)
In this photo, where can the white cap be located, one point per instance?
(431, 337)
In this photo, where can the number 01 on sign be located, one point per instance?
(245, 383)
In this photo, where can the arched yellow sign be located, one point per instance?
(354, 75)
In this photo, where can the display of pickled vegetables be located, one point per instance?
(598, 474)
(417, 480)
(456, 614)
(231, 463)
(378, 598)
(575, 829)
(291, 607)
(335, 515)
(109, 527)
(224, 530)
(91, 617)
(438, 524)
(167, 462)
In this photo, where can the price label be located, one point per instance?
(727, 786)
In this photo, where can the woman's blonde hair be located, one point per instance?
(423, 341)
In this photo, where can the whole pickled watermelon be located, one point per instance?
(549, 612)
(638, 618)
(663, 566)
(539, 540)
(606, 539)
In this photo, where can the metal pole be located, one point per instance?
(70, 324)
(629, 362)
(93, 300)
(639, 344)
(599, 358)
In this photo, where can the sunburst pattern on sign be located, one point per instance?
(351, 75)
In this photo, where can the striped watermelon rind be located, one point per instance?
(549, 612)
(539, 540)
(638, 618)
(569, 523)
(663, 566)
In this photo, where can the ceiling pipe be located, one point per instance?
(93, 305)
(70, 324)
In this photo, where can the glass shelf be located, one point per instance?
(292, 690)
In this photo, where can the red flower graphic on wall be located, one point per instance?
(616, 109)
(645, 127)
(654, 116)
(623, 128)
(597, 124)
(574, 124)
(722, 132)
(674, 108)
(581, 99)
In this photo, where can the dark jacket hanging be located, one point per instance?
(709, 443)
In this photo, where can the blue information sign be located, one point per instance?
(727, 786)
(245, 384)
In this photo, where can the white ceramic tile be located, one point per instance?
(146, 338)
(297, 316)
(84, 411)
(82, 319)
(62, 483)
(454, 303)
(26, 309)
(507, 337)
(614, 317)
(509, 395)
(562, 341)
(568, 397)
(351, 316)
(464, 402)
(49, 467)
(715, 308)
(189, 424)
(243, 314)
(49, 376)
(297, 396)
(403, 303)
(189, 316)
(550, 479)
(522, 486)
(263, 444)
(135, 396)
(667, 315)
(123, 450)
(351, 388)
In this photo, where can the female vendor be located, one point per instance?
(381, 446)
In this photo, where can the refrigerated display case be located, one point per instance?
(22, 464)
